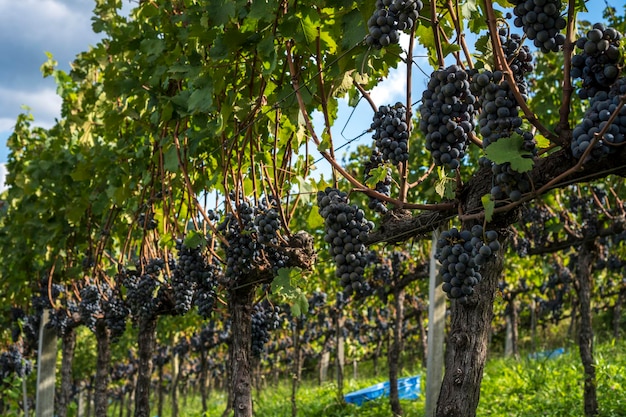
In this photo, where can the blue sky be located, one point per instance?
(29, 28)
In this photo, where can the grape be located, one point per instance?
(391, 133)
(89, 306)
(447, 115)
(265, 318)
(602, 105)
(500, 119)
(461, 254)
(390, 17)
(600, 62)
(140, 295)
(12, 362)
(346, 229)
(146, 221)
(115, 315)
(383, 187)
(252, 239)
(542, 22)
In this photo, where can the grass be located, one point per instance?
(511, 387)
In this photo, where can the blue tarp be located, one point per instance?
(408, 389)
(548, 354)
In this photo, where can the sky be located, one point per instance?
(30, 28)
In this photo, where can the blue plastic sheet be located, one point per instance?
(408, 389)
(548, 354)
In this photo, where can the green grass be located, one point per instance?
(511, 387)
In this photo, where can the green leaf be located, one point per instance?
(283, 286)
(445, 186)
(194, 240)
(170, 159)
(325, 144)
(309, 28)
(510, 150)
(377, 175)
(201, 100)
(489, 204)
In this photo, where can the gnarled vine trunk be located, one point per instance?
(146, 342)
(239, 351)
(101, 400)
(394, 354)
(68, 348)
(466, 349)
(584, 278)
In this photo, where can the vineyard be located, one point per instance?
(197, 236)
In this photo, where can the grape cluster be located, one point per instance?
(346, 229)
(252, 238)
(265, 318)
(140, 294)
(115, 314)
(542, 22)
(461, 254)
(390, 17)
(194, 280)
(518, 57)
(447, 115)
(13, 363)
(267, 225)
(391, 133)
(90, 307)
(383, 187)
(602, 105)
(600, 61)
(500, 119)
(146, 221)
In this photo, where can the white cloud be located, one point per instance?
(34, 21)
(44, 104)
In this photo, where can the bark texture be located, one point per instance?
(467, 342)
(394, 354)
(240, 384)
(69, 346)
(101, 400)
(586, 258)
(146, 343)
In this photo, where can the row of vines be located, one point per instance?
(173, 233)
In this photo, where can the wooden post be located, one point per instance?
(46, 368)
(436, 333)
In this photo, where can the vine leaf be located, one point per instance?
(445, 186)
(283, 286)
(377, 175)
(489, 204)
(510, 150)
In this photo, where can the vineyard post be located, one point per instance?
(46, 367)
(436, 333)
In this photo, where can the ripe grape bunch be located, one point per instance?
(500, 119)
(194, 280)
(115, 314)
(390, 17)
(518, 57)
(542, 22)
(346, 229)
(265, 317)
(140, 294)
(595, 120)
(383, 187)
(447, 115)
(391, 133)
(90, 307)
(600, 62)
(461, 254)
(12, 362)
